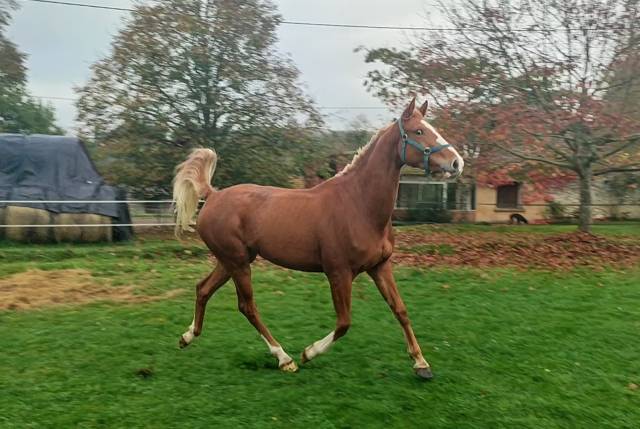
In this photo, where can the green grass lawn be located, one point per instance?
(510, 348)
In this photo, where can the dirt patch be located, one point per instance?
(556, 252)
(37, 289)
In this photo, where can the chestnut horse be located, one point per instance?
(341, 227)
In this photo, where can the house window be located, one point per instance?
(452, 196)
(407, 195)
(411, 195)
(508, 196)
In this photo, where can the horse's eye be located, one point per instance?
(419, 132)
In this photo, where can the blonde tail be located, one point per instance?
(192, 182)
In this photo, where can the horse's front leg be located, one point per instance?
(341, 294)
(382, 275)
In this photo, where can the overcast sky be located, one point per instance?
(63, 41)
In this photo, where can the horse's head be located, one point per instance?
(420, 145)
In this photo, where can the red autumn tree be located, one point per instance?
(529, 88)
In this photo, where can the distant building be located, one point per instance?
(422, 198)
(419, 195)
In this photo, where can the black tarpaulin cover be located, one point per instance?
(54, 168)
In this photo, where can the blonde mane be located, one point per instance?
(361, 151)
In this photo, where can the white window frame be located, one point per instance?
(415, 181)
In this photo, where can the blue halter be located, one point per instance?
(426, 151)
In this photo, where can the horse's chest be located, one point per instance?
(374, 253)
(386, 249)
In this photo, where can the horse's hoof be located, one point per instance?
(289, 367)
(304, 359)
(424, 373)
(182, 343)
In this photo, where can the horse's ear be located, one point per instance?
(423, 108)
(409, 110)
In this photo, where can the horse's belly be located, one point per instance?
(298, 264)
(298, 251)
(292, 258)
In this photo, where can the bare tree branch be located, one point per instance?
(534, 158)
(621, 169)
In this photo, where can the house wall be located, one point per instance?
(601, 194)
(537, 211)
(486, 210)
(486, 198)
(463, 216)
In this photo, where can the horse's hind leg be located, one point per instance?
(382, 275)
(247, 306)
(204, 290)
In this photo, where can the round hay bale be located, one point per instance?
(27, 216)
(88, 234)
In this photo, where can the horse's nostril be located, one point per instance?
(456, 165)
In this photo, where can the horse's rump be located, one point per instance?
(273, 222)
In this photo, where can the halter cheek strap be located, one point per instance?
(426, 151)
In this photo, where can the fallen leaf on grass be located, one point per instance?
(144, 372)
(521, 250)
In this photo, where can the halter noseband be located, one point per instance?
(426, 151)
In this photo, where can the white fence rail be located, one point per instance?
(133, 224)
(86, 201)
(93, 225)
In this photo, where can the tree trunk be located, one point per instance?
(585, 200)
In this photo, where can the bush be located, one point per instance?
(556, 211)
(619, 216)
(425, 213)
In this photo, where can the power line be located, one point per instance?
(285, 22)
(71, 99)
(45, 97)
(367, 27)
(352, 26)
(91, 6)
(351, 108)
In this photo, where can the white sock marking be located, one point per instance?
(320, 346)
(278, 352)
(188, 336)
(421, 363)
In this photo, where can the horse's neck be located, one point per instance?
(375, 180)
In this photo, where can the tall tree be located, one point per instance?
(530, 78)
(186, 73)
(19, 112)
(12, 69)
(624, 81)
